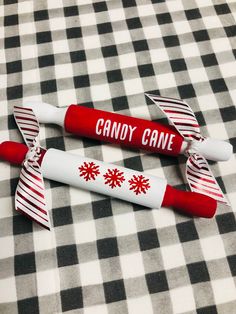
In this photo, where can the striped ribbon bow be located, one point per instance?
(198, 173)
(30, 191)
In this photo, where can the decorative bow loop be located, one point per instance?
(30, 191)
(198, 173)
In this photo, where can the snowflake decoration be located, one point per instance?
(139, 184)
(114, 177)
(89, 170)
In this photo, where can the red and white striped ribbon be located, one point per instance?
(30, 191)
(198, 173)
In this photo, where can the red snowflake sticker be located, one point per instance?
(139, 184)
(114, 177)
(89, 170)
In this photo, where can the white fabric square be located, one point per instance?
(90, 273)
(221, 44)
(207, 102)
(28, 52)
(122, 37)
(125, 224)
(182, 299)
(66, 97)
(159, 55)
(225, 167)
(141, 112)
(133, 86)
(78, 196)
(219, 129)
(224, 290)
(4, 167)
(174, 6)
(228, 69)
(172, 256)
(212, 248)
(60, 46)
(100, 92)
(145, 10)
(198, 75)
(30, 76)
(97, 309)
(25, 7)
(54, 4)
(132, 265)
(8, 290)
(163, 217)
(87, 19)
(63, 70)
(128, 60)
(4, 136)
(85, 232)
(116, 15)
(152, 31)
(165, 80)
(190, 50)
(182, 27)
(96, 66)
(57, 23)
(91, 42)
(27, 28)
(48, 282)
(140, 305)
(7, 207)
(6, 247)
(111, 153)
(44, 240)
(212, 22)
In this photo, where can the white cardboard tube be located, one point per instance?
(64, 167)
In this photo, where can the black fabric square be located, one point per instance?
(24, 264)
(13, 185)
(90, 142)
(209, 60)
(107, 248)
(14, 92)
(148, 240)
(140, 45)
(186, 91)
(100, 6)
(71, 11)
(62, 216)
(232, 264)
(104, 28)
(28, 306)
(226, 223)
(49, 86)
(134, 23)
(11, 122)
(201, 35)
(168, 160)
(178, 65)
(171, 41)
(114, 291)
(146, 70)
(187, 231)
(109, 51)
(134, 163)
(74, 32)
(164, 18)
(130, 3)
(67, 255)
(43, 37)
(157, 282)
(81, 81)
(45, 61)
(218, 85)
(200, 118)
(41, 15)
(102, 208)
(230, 31)
(198, 272)
(10, 20)
(12, 42)
(193, 14)
(120, 103)
(222, 9)
(232, 141)
(228, 113)
(207, 310)
(71, 299)
(6, 2)
(56, 142)
(77, 56)
(22, 224)
(114, 76)
(14, 66)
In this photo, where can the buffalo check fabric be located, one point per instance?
(103, 255)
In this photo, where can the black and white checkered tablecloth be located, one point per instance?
(103, 255)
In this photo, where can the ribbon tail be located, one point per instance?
(180, 115)
(30, 195)
(201, 179)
